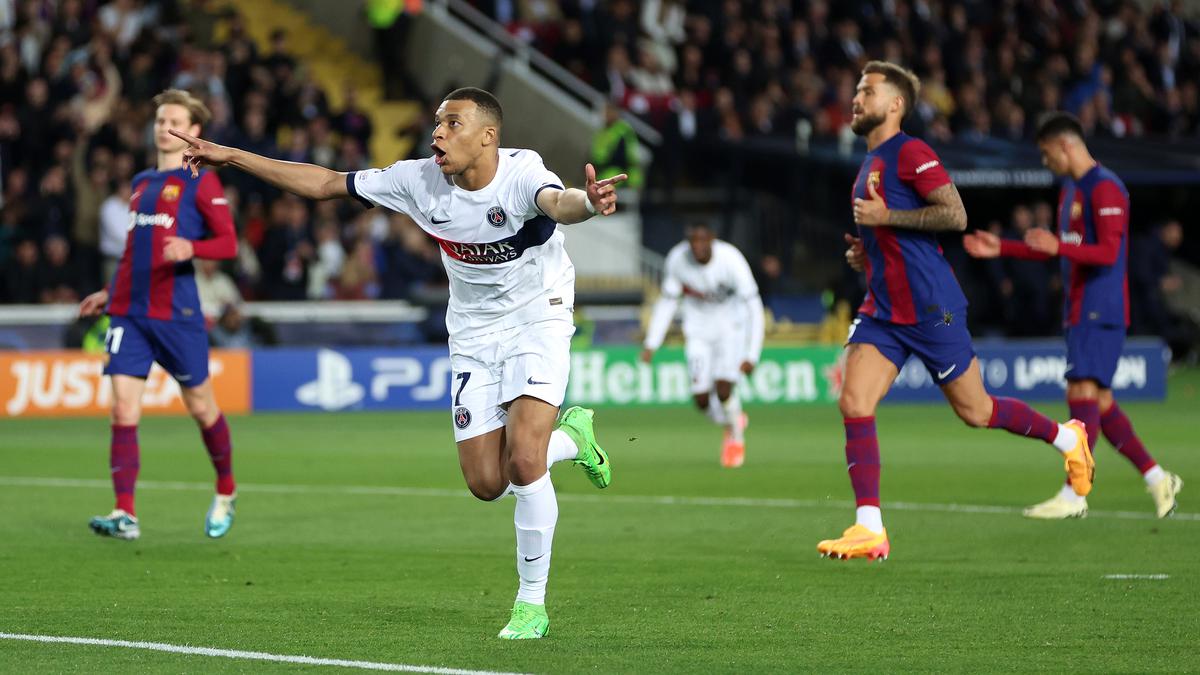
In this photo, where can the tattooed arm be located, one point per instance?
(945, 213)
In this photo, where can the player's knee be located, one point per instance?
(486, 488)
(126, 413)
(724, 391)
(525, 467)
(202, 410)
(976, 416)
(852, 404)
(701, 401)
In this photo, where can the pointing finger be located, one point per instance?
(187, 137)
(619, 178)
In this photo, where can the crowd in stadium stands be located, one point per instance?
(77, 76)
(733, 69)
(76, 82)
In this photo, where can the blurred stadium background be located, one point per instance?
(735, 113)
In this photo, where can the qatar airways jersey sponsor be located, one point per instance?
(504, 257)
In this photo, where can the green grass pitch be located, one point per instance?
(356, 539)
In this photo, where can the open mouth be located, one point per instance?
(439, 155)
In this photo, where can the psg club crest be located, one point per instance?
(462, 417)
(496, 217)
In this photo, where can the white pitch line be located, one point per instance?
(1148, 577)
(660, 500)
(240, 654)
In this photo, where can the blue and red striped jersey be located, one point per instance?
(170, 204)
(1093, 230)
(908, 280)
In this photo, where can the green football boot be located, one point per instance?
(528, 622)
(577, 423)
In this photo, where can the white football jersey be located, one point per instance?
(504, 257)
(718, 298)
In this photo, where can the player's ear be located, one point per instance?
(490, 134)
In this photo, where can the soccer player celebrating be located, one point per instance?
(1093, 242)
(902, 198)
(494, 212)
(722, 326)
(175, 215)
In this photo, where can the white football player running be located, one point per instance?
(495, 213)
(722, 327)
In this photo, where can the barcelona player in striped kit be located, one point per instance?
(155, 310)
(902, 198)
(1093, 243)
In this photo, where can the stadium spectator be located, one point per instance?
(232, 330)
(215, 288)
(615, 149)
(286, 251)
(22, 280)
(1029, 309)
(58, 275)
(114, 226)
(1165, 291)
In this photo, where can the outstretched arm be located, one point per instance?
(307, 180)
(575, 206)
(984, 244)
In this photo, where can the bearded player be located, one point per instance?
(902, 199)
(1093, 243)
(722, 328)
(175, 215)
(495, 213)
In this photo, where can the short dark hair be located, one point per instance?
(1058, 124)
(899, 77)
(487, 103)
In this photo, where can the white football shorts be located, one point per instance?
(716, 358)
(490, 371)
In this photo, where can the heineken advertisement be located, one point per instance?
(1033, 370)
(616, 376)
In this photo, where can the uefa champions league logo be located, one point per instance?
(496, 217)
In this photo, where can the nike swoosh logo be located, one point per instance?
(533, 381)
(943, 373)
(435, 221)
(528, 559)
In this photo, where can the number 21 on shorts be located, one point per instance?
(112, 338)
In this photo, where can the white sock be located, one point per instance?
(869, 517)
(716, 412)
(1154, 475)
(1066, 439)
(1067, 492)
(535, 517)
(561, 448)
(733, 417)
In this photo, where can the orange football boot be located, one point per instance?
(856, 542)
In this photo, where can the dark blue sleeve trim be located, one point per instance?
(354, 193)
(539, 191)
